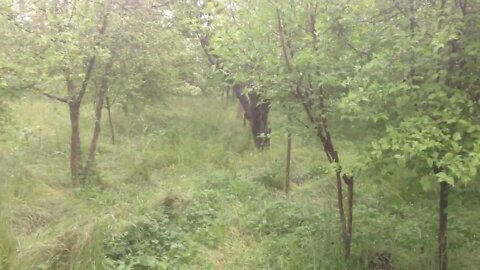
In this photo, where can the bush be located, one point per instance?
(151, 243)
(201, 220)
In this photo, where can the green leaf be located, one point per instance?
(457, 136)
(427, 183)
(443, 177)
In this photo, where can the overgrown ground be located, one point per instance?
(182, 189)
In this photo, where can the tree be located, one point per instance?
(303, 68)
(315, 86)
(211, 23)
(64, 44)
(427, 102)
(126, 48)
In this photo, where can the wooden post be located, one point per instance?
(287, 166)
(442, 231)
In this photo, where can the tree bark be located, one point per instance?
(98, 117)
(333, 157)
(442, 232)
(96, 133)
(256, 111)
(75, 144)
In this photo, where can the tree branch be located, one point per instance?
(281, 32)
(91, 62)
(61, 99)
(204, 42)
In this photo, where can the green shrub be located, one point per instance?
(151, 243)
(296, 237)
(201, 220)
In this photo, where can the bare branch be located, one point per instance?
(281, 31)
(204, 42)
(166, 3)
(61, 99)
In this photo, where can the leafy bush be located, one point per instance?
(201, 221)
(295, 237)
(151, 243)
(278, 217)
(270, 176)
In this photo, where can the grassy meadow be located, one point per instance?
(182, 188)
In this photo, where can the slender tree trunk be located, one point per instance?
(348, 246)
(75, 146)
(287, 166)
(96, 133)
(341, 211)
(98, 117)
(321, 126)
(110, 122)
(442, 232)
(332, 156)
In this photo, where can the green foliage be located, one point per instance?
(151, 243)
(293, 235)
(181, 187)
(280, 217)
(424, 105)
(201, 221)
(203, 202)
(271, 176)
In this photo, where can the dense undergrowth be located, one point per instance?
(182, 189)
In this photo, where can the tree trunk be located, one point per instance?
(98, 117)
(341, 212)
(442, 231)
(110, 122)
(332, 157)
(96, 132)
(287, 166)
(75, 146)
(258, 116)
(348, 245)
(256, 111)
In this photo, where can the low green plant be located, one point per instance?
(151, 243)
(201, 221)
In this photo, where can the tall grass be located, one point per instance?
(7, 242)
(182, 188)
